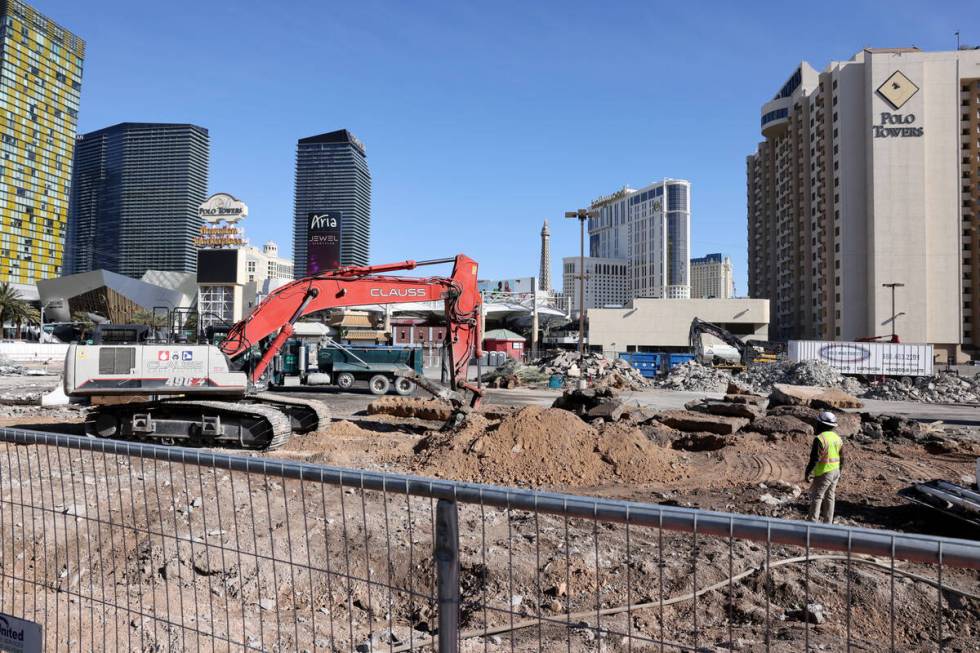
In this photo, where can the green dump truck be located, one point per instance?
(347, 367)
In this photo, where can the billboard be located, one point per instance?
(323, 246)
(220, 215)
(506, 286)
(217, 265)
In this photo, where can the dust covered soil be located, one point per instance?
(546, 448)
(517, 568)
(747, 472)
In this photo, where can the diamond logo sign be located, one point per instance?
(897, 89)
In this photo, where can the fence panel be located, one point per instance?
(123, 546)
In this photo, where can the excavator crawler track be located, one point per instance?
(244, 424)
(307, 415)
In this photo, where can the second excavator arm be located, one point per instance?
(699, 327)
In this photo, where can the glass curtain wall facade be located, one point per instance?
(651, 232)
(135, 192)
(332, 175)
(40, 84)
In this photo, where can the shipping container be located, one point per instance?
(680, 359)
(866, 358)
(646, 363)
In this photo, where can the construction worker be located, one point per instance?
(826, 459)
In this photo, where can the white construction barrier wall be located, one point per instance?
(34, 352)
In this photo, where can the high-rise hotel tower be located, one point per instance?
(40, 83)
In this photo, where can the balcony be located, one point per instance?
(775, 117)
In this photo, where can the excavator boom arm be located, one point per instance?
(357, 286)
(699, 327)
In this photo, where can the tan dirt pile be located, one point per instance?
(430, 409)
(544, 446)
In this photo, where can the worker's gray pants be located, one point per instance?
(823, 493)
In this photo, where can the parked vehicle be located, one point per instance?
(345, 366)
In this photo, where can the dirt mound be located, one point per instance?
(544, 446)
(431, 409)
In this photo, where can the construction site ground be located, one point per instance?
(708, 479)
(555, 450)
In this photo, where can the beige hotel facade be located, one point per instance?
(869, 174)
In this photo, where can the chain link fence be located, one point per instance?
(115, 546)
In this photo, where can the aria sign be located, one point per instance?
(222, 206)
(221, 213)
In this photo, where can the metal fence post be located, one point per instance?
(446, 553)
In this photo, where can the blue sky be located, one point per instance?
(480, 119)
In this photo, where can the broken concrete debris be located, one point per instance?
(816, 397)
(593, 367)
(693, 376)
(942, 388)
(690, 421)
(747, 414)
(728, 408)
(759, 379)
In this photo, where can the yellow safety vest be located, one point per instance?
(830, 445)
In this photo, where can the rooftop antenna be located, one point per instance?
(957, 40)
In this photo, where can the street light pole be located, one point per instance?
(582, 215)
(893, 286)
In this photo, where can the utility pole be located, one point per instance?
(534, 319)
(893, 286)
(582, 215)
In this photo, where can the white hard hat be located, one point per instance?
(828, 418)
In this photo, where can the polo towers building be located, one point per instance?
(868, 176)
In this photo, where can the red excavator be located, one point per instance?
(216, 394)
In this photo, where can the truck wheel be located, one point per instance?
(379, 384)
(345, 380)
(404, 386)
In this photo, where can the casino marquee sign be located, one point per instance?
(221, 213)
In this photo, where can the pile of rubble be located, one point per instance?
(596, 368)
(513, 374)
(10, 368)
(708, 424)
(789, 411)
(943, 388)
(695, 377)
(762, 378)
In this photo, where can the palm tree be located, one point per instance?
(155, 320)
(12, 307)
(84, 322)
(29, 315)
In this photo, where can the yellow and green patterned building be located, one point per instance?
(40, 83)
